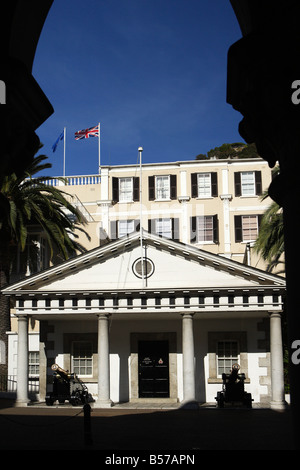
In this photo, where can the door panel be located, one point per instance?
(153, 369)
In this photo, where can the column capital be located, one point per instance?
(187, 314)
(275, 314)
(103, 315)
(22, 316)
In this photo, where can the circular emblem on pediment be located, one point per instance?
(146, 269)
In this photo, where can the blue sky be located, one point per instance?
(152, 72)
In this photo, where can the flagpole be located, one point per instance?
(99, 162)
(64, 168)
(141, 227)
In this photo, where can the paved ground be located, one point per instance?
(124, 429)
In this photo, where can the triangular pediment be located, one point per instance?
(171, 265)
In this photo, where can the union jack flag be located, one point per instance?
(86, 133)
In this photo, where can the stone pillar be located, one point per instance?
(103, 400)
(188, 359)
(22, 372)
(277, 377)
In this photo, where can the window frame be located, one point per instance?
(91, 358)
(205, 229)
(168, 196)
(232, 359)
(251, 239)
(128, 231)
(194, 227)
(205, 186)
(33, 363)
(129, 193)
(238, 227)
(163, 232)
(246, 183)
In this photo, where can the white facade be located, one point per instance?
(187, 310)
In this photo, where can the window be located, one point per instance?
(204, 228)
(247, 183)
(227, 355)
(162, 187)
(121, 228)
(125, 227)
(145, 269)
(34, 363)
(246, 227)
(125, 189)
(34, 258)
(204, 184)
(82, 358)
(164, 227)
(249, 227)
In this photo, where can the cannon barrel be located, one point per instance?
(60, 371)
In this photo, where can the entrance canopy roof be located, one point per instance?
(172, 277)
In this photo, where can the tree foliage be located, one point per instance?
(234, 150)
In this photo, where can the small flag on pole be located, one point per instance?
(54, 146)
(86, 133)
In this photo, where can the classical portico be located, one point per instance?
(164, 339)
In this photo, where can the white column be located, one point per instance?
(103, 400)
(22, 372)
(188, 359)
(277, 377)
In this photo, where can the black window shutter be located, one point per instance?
(194, 184)
(238, 228)
(193, 229)
(259, 217)
(151, 187)
(214, 184)
(115, 189)
(173, 187)
(175, 229)
(137, 225)
(258, 185)
(136, 188)
(114, 229)
(237, 184)
(151, 225)
(216, 228)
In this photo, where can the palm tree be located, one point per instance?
(27, 201)
(270, 241)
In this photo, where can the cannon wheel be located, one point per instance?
(248, 400)
(220, 399)
(75, 399)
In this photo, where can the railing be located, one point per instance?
(8, 383)
(75, 201)
(75, 180)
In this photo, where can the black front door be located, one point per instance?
(153, 369)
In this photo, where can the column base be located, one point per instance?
(189, 405)
(103, 404)
(21, 403)
(278, 405)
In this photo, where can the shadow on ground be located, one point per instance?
(62, 428)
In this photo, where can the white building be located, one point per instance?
(164, 329)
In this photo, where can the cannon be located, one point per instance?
(233, 390)
(67, 386)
